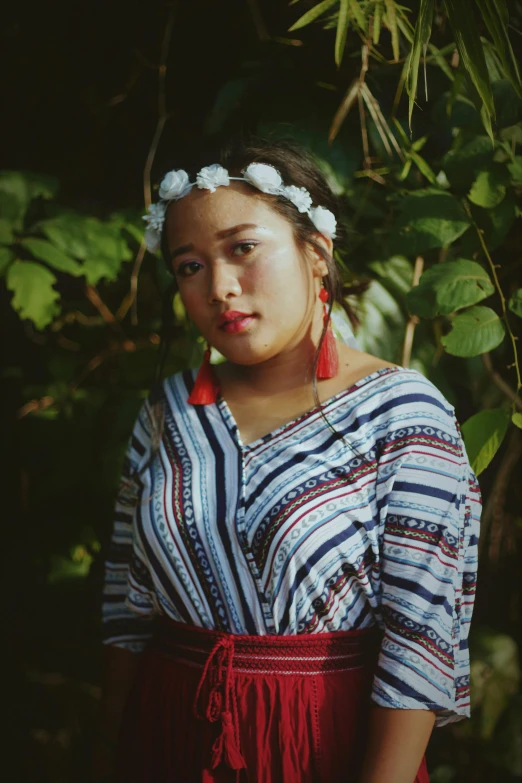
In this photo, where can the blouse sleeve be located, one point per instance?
(429, 522)
(129, 601)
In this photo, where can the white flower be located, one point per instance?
(211, 177)
(152, 239)
(324, 221)
(300, 197)
(174, 184)
(156, 216)
(263, 177)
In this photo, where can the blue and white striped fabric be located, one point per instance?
(304, 532)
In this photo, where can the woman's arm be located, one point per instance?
(119, 670)
(397, 741)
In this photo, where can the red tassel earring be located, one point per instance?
(328, 364)
(205, 387)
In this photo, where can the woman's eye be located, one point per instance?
(243, 248)
(184, 271)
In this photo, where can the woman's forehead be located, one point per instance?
(210, 213)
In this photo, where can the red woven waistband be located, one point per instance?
(223, 655)
(296, 654)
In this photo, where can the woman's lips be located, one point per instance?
(238, 325)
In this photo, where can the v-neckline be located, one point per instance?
(229, 417)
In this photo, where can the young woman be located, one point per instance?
(293, 563)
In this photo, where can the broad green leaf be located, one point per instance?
(515, 303)
(508, 104)
(464, 163)
(516, 418)
(34, 296)
(6, 232)
(396, 271)
(18, 189)
(52, 255)
(515, 170)
(465, 31)
(420, 43)
(444, 288)
(343, 22)
(382, 323)
(313, 14)
(483, 433)
(429, 218)
(100, 244)
(492, 16)
(473, 332)
(488, 190)
(6, 256)
(495, 679)
(391, 24)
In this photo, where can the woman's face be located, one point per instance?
(232, 252)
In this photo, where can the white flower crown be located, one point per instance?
(262, 176)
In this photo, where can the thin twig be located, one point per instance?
(501, 295)
(95, 299)
(162, 105)
(364, 131)
(414, 320)
(495, 518)
(499, 381)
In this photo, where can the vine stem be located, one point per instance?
(501, 295)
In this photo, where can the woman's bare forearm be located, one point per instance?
(397, 740)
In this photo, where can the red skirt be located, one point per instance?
(212, 707)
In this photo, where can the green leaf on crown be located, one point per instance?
(34, 296)
(473, 332)
(444, 288)
(483, 433)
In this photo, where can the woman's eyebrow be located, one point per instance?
(226, 232)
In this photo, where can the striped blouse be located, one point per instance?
(307, 530)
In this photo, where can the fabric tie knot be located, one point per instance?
(220, 675)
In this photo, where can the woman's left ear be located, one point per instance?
(318, 261)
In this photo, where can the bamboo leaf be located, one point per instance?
(420, 43)
(357, 14)
(493, 17)
(462, 21)
(313, 14)
(343, 24)
(391, 23)
(517, 419)
(377, 19)
(423, 167)
(343, 109)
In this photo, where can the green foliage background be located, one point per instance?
(415, 114)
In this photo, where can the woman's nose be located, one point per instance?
(223, 283)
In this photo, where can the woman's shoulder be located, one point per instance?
(393, 392)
